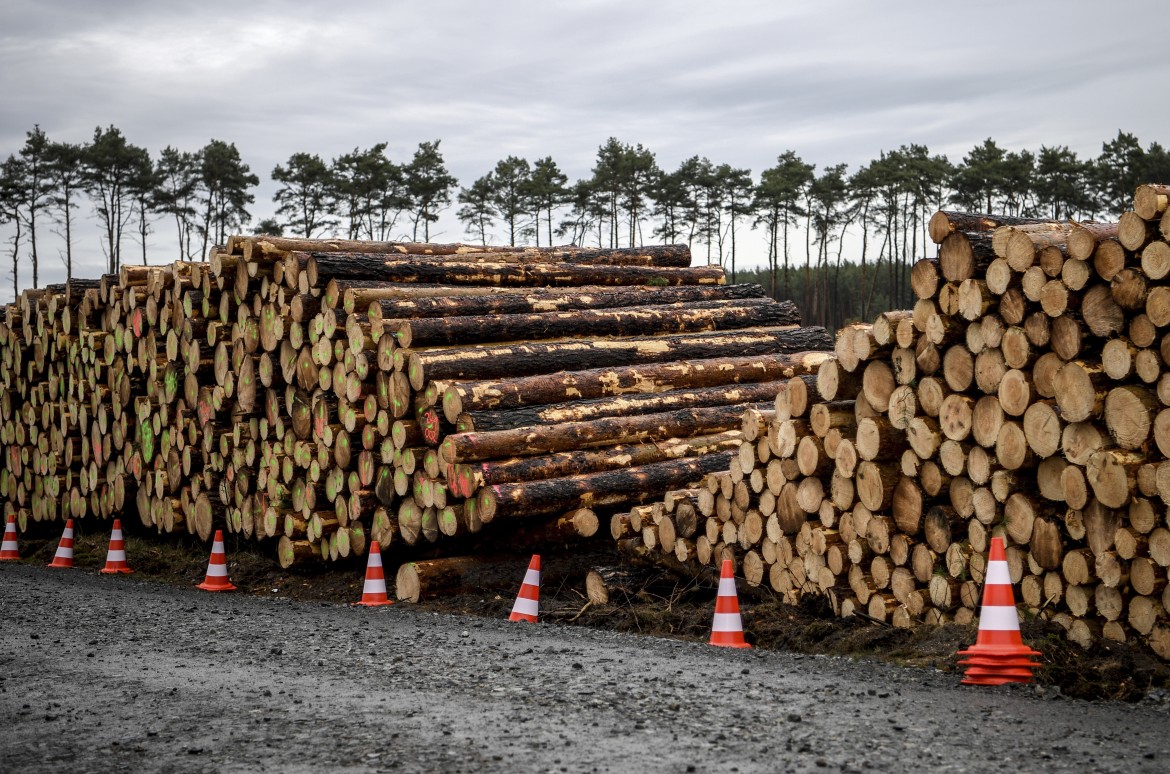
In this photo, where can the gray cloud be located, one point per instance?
(738, 82)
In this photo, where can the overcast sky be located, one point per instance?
(737, 82)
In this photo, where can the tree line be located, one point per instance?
(840, 242)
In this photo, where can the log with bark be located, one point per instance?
(325, 266)
(493, 362)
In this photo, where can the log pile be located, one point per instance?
(319, 394)
(1025, 394)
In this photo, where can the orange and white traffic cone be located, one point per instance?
(999, 654)
(64, 555)
(727, 628)
(116, 555)
(527, 607)
(217, 574)
(374, 589)
(9, 549)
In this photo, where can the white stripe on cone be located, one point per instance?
(727, 622)
(63, 551)
(999, 618)
(998, 574)
(727, 587)
(217, 570)
(375, 560)
(532, 578)
(526, 606)
(116, 555)
(375, 586)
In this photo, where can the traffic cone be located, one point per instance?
(374, 590)
(217, 574)
(727, 628)
(116, 556)
(9, 550)
(527, 607)
(64, 555)
(999, 655)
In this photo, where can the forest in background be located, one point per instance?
(840, 242)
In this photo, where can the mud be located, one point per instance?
(145, 672)
(666, 607)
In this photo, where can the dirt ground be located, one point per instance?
(665, 607)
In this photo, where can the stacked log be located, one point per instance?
(87, 396)
(1025, 394)
(315, 395)
(362, 321)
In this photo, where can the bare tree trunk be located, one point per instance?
(773, 263)
(16, 262)
(32, 241)
(733, 248)
(68, 242)
(787, 280)
(142, 228)
(864, 247)
(808, 262)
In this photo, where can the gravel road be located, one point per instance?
(101, 674)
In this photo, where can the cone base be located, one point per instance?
(740, 645)
(374, 603)
(994, 679)
(60, 565)
(991, 652)
(216, 587)
(9, 557)
(998, 670)
(115, 571)
(1000, 662)
(522, 617)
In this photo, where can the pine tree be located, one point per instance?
(510, 181)
(35, 190)
(478, 213)
(304, 194)
(429, 186)
(225, 181)
(546, 190)
(110, 167)
(67, 180)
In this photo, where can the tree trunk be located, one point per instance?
(965, 255)
(325, 266)
(943, 223)
(660, 255)
(687, 317)
(455, 304)
(488, 362)
(521, 500)
(623, 406)
(1083, 239)
(526, 441)
(465, 479)
(508, 394)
